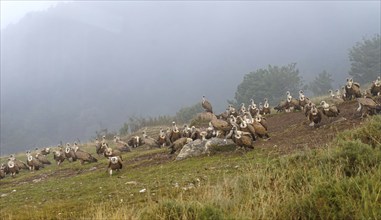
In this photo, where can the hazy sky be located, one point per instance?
(96, 63)
(12, 11)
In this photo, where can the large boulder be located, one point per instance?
(198, 147)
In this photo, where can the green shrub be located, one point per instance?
(369, 134)
(356, 157)
(348, 198)
(174, 210)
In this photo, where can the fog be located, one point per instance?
(79, 67)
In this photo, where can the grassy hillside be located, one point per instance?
(340, 180)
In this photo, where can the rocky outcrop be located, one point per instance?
(198, 147)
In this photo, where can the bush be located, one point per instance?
(349, 198)
(369, 134)
(355, 156)
(174, 210)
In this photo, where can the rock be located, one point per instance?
(198, 147)
(37, 180)
(131, 183)
(205, 116)
(92, 168)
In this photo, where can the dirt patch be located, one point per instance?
(290, 131)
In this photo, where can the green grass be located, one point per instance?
(338, 181)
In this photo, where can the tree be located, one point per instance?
(271, 83)
(124, 130)
(187, 113)
(321, 84)
(365, 58)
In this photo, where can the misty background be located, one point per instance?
(79, 67)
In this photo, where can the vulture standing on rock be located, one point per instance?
(206, 105)
(221, 125)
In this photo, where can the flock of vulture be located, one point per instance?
(244, 126)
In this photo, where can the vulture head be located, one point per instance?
(378, 82)
(324, 104)
(11, 163)
(331, 93)
(114, 160)
(349, 83)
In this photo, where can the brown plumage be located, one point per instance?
(109, 152)
(329, 110)
(186, 132)
(266, 107)
(21, 165)
(174, 133)
(352, 89)
(282, 106)
(367, 106)
(33, 163)
(246, 127)
(314, 115)
(262, 120)
(59, 156)
(243, 141)
(115, 163)
(45, 151)
(69, 153)
(42, 159)
(152, 143)
(195, 133)
(161, 139)
(293, 104)
(2, 171)
(102, 148)
(12, 168)
(375, 89)
(84, 156)
(307, 109)
(221, 125)
(178, 144)
(260, 130)
(206, 105)
(303, 100)
(134, 142)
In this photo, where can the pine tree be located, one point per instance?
(365, 60)
(271, 83)
(321, 84)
